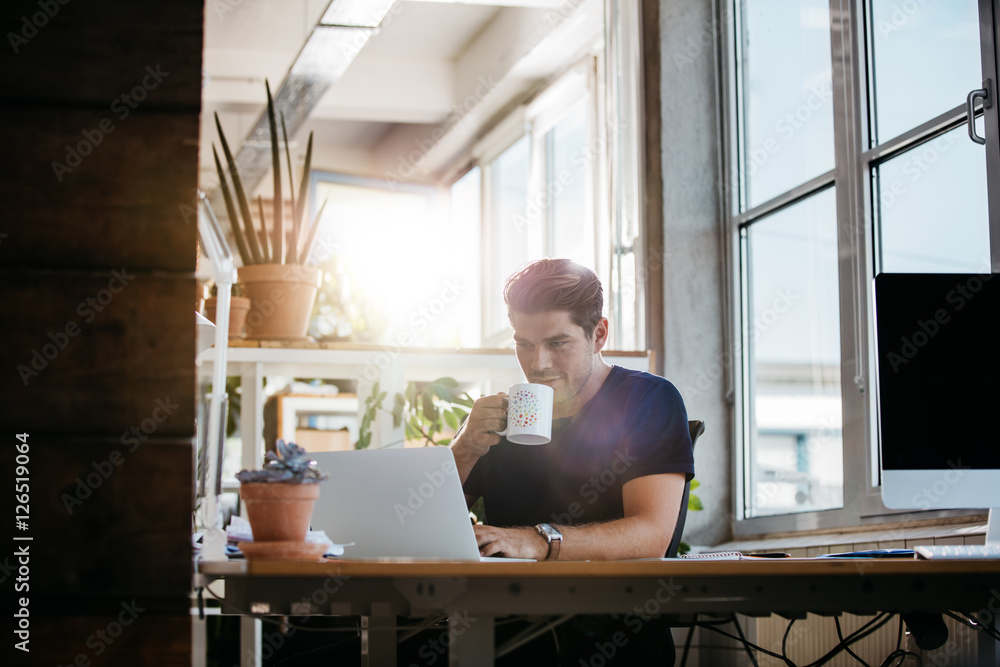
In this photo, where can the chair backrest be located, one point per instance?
(696, 427)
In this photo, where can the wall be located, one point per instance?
(99, 105)
(695, 357)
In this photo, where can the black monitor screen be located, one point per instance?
(938, 370)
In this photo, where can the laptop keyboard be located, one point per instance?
(958, 551)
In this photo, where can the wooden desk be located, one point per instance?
(378, 592)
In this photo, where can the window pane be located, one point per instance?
(513, 234)
(926, 60)
(567, 188)
(362, 290)
(787, 99)
(932, 208)
(463, 256)
(792, 328)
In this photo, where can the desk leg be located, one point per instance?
(252, 417)
(378, 637)
(470, 640)
(250, 633)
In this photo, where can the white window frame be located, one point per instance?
(851, 176)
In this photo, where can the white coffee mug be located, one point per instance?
(529, 414)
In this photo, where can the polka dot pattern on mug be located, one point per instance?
(524, 409)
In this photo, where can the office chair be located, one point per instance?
(696, 427)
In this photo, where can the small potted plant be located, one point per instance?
(279, 498)
(239, 306)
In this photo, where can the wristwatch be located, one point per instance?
(553, 537)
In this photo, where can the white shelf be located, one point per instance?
(391, 367)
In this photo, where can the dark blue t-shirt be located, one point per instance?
(635, 425)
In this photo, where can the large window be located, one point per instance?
(408, 279)
(849, 155)
(540, 195)
(538, 177)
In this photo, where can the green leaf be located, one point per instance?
(263, 225)
(300, 205)
(293, 242)
(443, 441)
(428, 409)
(694, 503)
(234, 221)
(278, 244)
(479, 510)
(695, 483)
(311, 236)
(450, 419)
(451, 383)
(460, 414)
(241, 197)
(444, 393)
(464, 400)
(381, 397)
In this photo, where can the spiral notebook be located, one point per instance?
(734, 555)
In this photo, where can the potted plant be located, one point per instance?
(275, 275)
(239, 306)
(429, 411)
(279, 498)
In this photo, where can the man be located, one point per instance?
(609, 484)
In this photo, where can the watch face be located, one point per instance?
(548, 531)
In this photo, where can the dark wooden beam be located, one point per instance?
(99, 120)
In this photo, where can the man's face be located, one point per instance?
(553, 350)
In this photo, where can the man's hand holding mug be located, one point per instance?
(524, 416)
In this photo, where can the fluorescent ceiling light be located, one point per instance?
(329, 51)
(537, 4)
(356, 13)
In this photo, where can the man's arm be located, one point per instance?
(478, 434)
(652, 504)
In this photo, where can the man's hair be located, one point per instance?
(556, 284)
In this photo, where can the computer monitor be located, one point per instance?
(938, 388)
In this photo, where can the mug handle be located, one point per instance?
(507, 427)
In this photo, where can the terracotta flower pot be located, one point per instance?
(279, 512)
(282, 297)
(239, 306)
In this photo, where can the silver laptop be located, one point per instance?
(395, 503)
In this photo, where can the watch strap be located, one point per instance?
(554, 544)
(554, 541)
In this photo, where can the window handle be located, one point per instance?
(970, 109)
